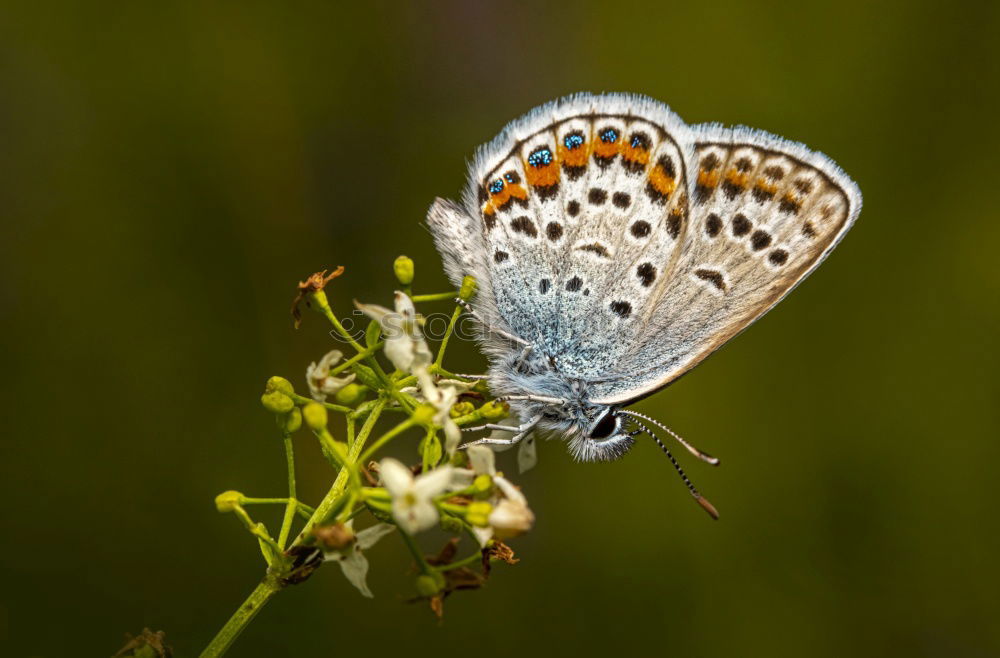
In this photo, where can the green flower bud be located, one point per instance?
(460, 409)
(483, 483)
(403, 267)
(290, 422)
(451, 524)
(468, 289)
(494, 410)
(315, 415)
(279, 384)
(430, 584)
(277, 402)
(478, 514)
(227, 501)
(351, 395)
(424, 414)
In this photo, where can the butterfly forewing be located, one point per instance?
(763, 214)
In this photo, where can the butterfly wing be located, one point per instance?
(572, 215)
(764, 213)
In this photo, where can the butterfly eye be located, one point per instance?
(604, 427)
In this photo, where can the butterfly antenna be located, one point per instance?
(704, 456)
(707, 506)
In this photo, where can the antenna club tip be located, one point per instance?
(708, 507)
(714, 461)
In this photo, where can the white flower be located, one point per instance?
(352, 561)
(405, 346)
(413, 498)
(443, 398)
(511, 515)
(321, 384)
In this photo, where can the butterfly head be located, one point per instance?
(601, 434)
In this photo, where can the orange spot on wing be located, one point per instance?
(517, 192)
(708, 179)
(635, 154)
(662, 181)
(607, 149)
(736, 178)
(576, 157)
(766, 186)
(542, 176)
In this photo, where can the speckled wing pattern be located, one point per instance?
(627, 246)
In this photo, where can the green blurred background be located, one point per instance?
(168, 172)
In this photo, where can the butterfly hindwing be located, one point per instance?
(582, 206)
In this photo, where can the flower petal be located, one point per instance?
(395, 476)
(432, 483)
(452, 436)
(509, 491)
(527, 454)
(355, 567)
(367, 537)
(482, 460)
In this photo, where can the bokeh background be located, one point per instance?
(169, 171)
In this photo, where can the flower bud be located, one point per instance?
(403, 267)
(460, 409)
(483, 483)
(424, 414)
(478, 514)
(451, 524)
(333, 537)
(279, 384)
(290, 422)
(430, 584)
(277, 402)
(315, 415)
(227, 501)
(351, 394)
(468, 289)
(494, 410)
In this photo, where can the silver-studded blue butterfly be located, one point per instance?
(616, 247)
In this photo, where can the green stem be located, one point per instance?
(447, 336)
(272, 584)
(286, 523)
(415, 550)
(385, 438)
(435, 297)
(472, 559)
(267, 588)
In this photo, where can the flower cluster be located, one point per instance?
(426, 407)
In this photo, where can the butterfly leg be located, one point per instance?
(520, 431)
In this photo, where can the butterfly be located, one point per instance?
(615, 247)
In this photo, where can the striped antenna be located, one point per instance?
(704, 456)
(707, 506)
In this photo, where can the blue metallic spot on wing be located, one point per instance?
(496, 186)
(609, 135)
(573, 141)
(540, 157)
